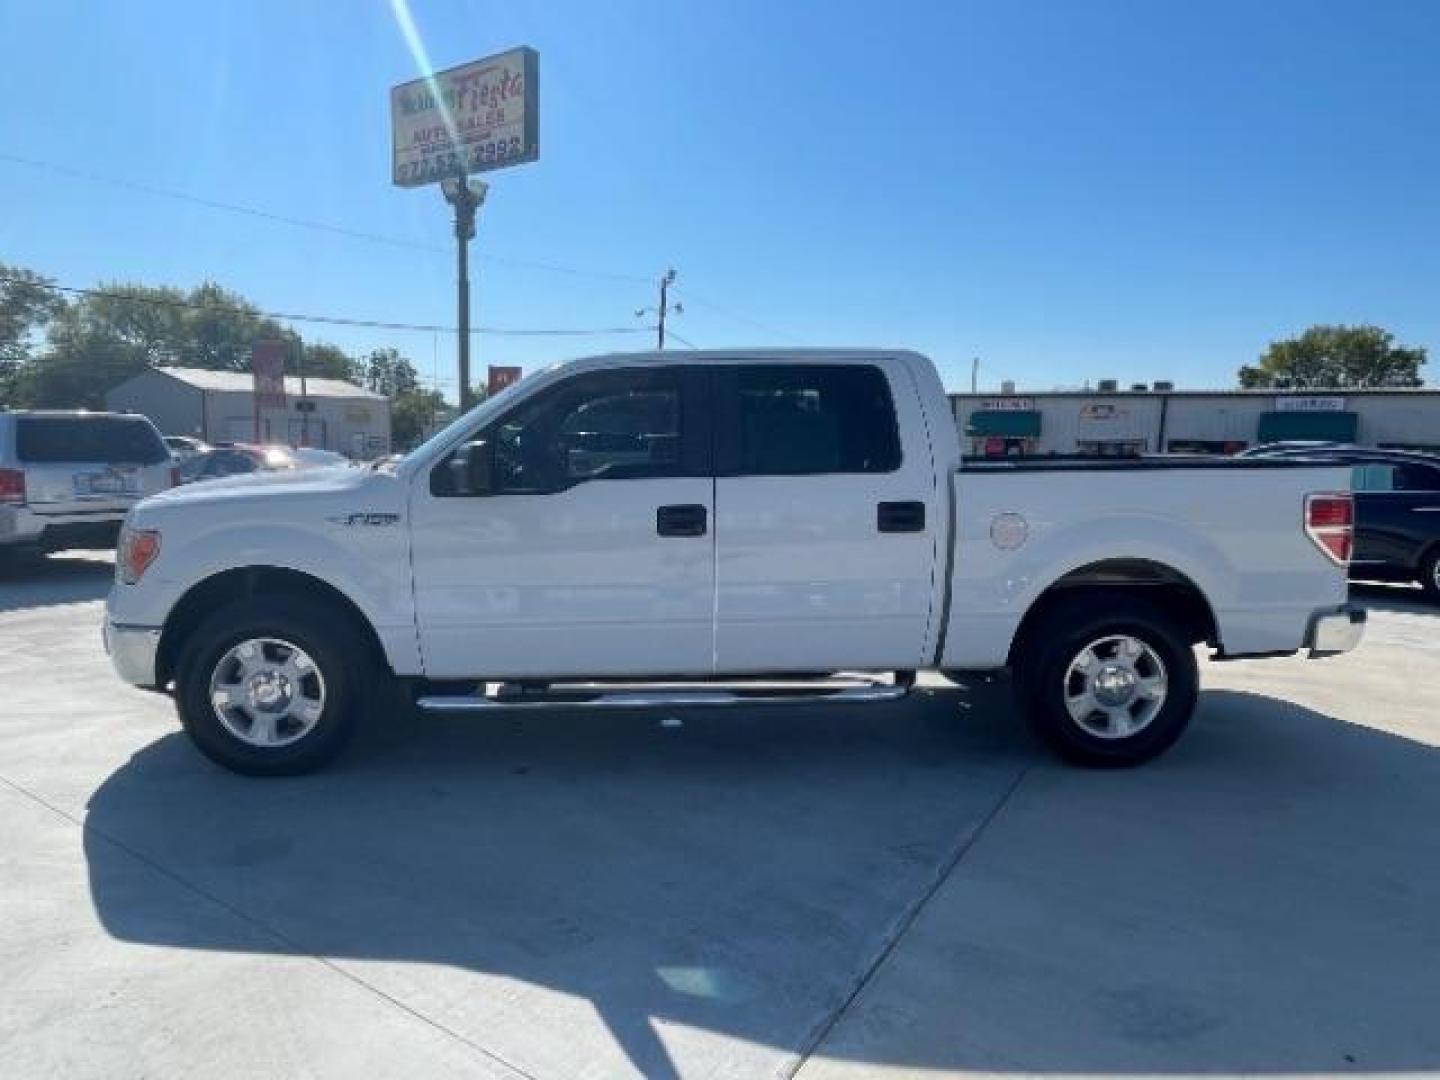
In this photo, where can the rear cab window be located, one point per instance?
(109, 439)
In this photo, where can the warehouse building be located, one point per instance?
(219, 406)
(1159, 419)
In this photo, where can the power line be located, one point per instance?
(333, 320)
(681, 340)
(306, 223)
(373, 237)
(689, 294)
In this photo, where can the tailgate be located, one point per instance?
(90, 487)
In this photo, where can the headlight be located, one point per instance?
(138, 549)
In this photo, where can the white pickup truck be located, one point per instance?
(720, 528)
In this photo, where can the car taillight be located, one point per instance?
(1330, 523)
(138, 549)
(12, 487)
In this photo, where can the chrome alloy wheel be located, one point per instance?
(1115, 687)
(267, 692)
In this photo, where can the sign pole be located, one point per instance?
(466, 196)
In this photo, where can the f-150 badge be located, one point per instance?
(364, 519)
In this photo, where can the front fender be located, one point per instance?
(369, 565)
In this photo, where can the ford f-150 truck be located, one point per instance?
(720, 528)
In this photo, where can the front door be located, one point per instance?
(573, 536)
(827, 519)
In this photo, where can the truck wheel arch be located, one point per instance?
(1165, 586)
(250, 581)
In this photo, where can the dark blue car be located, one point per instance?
(1397, 509)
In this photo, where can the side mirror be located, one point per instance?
(472, 469)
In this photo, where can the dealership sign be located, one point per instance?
(1306, 403)
(267, 362)
(1008, 404)
(500, 377)
(470, 119)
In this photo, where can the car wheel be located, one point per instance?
(270, 687)
(1108, 680)
(1430, 574)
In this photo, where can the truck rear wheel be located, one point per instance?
(1107, 679)
(269, 687)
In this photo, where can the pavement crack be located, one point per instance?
(288, 944)
(901, 926)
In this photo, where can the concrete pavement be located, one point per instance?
(862, 892)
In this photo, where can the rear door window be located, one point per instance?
(808, 419)
(109, 439)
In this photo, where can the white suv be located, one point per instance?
(67, 479)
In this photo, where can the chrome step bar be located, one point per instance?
(869, 693)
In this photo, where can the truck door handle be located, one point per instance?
(682, 519)
(900, 517)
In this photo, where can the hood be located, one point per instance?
(266, 485)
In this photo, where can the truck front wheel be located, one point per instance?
(1107, 680)
(269, 687)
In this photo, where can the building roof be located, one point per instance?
(243, 382)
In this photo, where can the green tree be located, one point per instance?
(326, 361)
(1336, 357)
(26, 306)
(387, 372)
(412, 415)
(119, 329)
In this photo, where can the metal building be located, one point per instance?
(219, 406)
(1153, 420)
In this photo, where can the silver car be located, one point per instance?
(67, 479)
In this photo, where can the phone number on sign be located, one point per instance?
(472, 159)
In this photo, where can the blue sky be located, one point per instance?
(1067, 190)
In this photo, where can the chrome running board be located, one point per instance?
(577, 697)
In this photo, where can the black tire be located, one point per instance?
(1430, 575)
(338, 653)
(1063, 634)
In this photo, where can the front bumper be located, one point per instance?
(132, 650)
(1335, 631)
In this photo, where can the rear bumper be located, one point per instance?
(132, 650)
(21, 526)
(1335, 631)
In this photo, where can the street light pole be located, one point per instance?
(466, 196)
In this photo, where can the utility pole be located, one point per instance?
(665, 283)
(305, 413)
(466, 195)
(974, 374)
(665, 308)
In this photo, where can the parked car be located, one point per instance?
(184, 447)
(310, 457)
(726, 517)
(237, 459)
(1397, 509)
(67, 479)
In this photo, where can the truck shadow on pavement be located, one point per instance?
(1261, 900)
(47, 581)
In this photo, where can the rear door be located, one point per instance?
(826, 518)
(99, 465)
